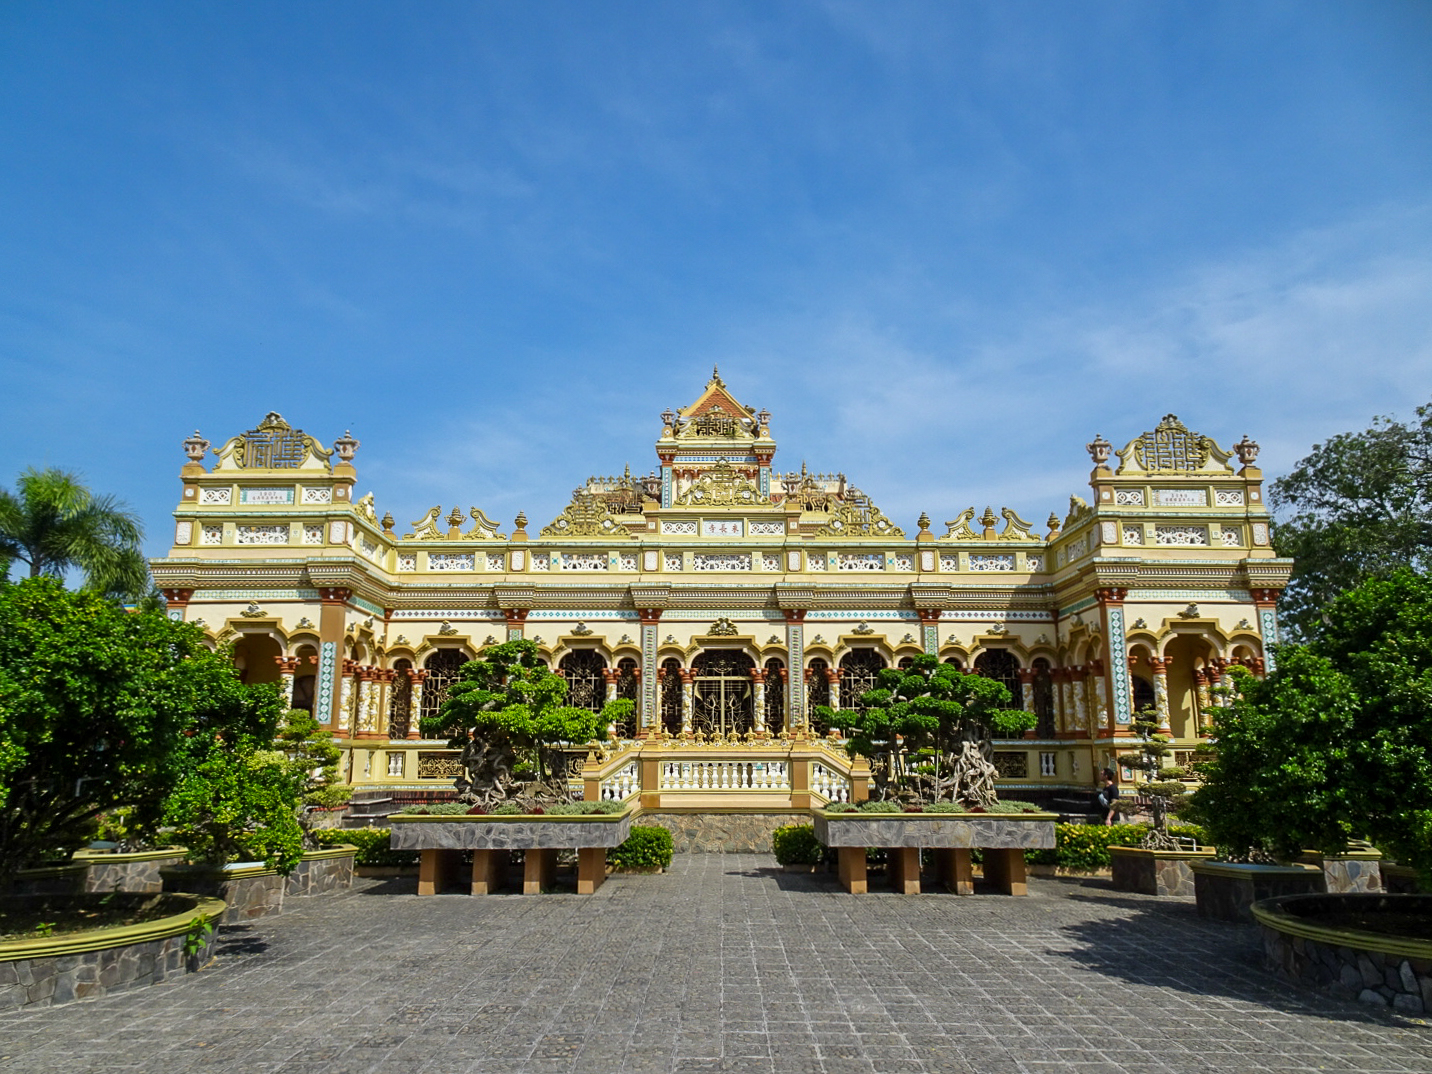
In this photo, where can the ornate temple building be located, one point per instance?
(729, 598)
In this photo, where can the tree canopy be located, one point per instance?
(1336, 744)
(102, 709)
(1358, 506)
(53, 523)
(944, 719)
(505, 711)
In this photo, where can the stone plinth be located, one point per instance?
(321, 872)
(248, 889)
(1378, 968)
(1003, 838)
(442, 839)
(1357, 872)
(132, 871)
(1227, 890)
(48, 970)
(743, 832)
(1155, 872)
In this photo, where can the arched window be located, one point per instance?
(442, 668)
(628, 688)
(1001, 666)
(586, 683)
(955, 661)
(400, 700)
(1144, 697)
(1043, 687)
(859, 669)
(906, 663)
(724, 698)
(817, 693)
(671, 691)
(775, 714)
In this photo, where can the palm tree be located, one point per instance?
(54, 524)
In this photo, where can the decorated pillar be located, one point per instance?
(1060, 677)
(759, 678)
(1026, 689)
(1103, 719)
(415, 703)
(796, 693)
(1203, 678)
(287, 667)
(386, 678)
(1079, 687)
(176, 603)
(832, 676)
(328, 705)
(516, 618)
(1120, 689)
(1266, 601)
(348, 668)
(649, 718)
(1160, 667)
(929, 630)
(688, 698)
(611, 675)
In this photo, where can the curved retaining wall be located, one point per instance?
(1386, 970)
(80, 965)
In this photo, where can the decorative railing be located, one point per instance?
(621, 784)
(725, 775)
(831, 785)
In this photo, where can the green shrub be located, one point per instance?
(436, 809)
(796, 844)
(1011, 805)
(944, 807)
(1086, 846)
(584, 809)
(506, 809)
(372, 844)
(647, 847)
(881, 807)
(840, 807)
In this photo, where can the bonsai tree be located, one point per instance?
(309, 748)
(1162, 784)
(506, 713)
(1336, 744)
(942, 717)
(99, 709)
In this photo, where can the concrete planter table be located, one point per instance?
(1003, 837)
(442, 839)
(1155, 872)
(1227, 890)
(1308, 940)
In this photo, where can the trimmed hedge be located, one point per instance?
(372, 844)
(796, 844)
(1086, 846)
(647, 847)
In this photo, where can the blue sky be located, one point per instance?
(944, 243)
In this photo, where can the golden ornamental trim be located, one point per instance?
(959, 528)
(1171, 447)
(723, 628)
(585, 516)
(723, 486)
(273, 444)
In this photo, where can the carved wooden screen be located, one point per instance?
(628, 688)
(858, 671)
(1043, 687)
(775, 714)
(724, 698)
(671, 692)
(1002, 666)
(442, 668)
(400, 701)
(586, 685)
(817, 693)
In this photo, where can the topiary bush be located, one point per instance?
(436, 809)
(881, 807)
(372, 844)
(647, 847)
(796, 844)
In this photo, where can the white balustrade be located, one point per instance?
(725, 776)
(621, 784)
(829, 784)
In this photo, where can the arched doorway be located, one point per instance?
(400, 700)
(255, 659)
(1043, 688)
(859, 673)
(724, 697)
(628, 689)
(586, 681)
(671, 695)
(817, 693)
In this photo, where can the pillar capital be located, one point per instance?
(1026, 676)
(649, 615)
(1264, 597)
(1160, 666)
(1111, 594)
(794, 615)
(515, 616)
(177, 596)
(287, 665)
(928, 615)
(334, 594)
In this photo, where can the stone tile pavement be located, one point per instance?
(723, 964)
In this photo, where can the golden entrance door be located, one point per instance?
(724, 696)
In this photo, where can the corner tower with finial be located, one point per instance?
(714, 430)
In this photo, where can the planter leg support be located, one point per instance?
(591, 869)
(851, 864)
(905, 870)
(539, 871)
(436, 870)
(489, 871)
(957, 870)
(1005, 869)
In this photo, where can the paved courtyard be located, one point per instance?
(723, 964)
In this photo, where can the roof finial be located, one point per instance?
(716, 375)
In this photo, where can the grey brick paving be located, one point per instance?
(724, 964)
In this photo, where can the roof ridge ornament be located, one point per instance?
(586, 516)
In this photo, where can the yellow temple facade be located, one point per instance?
(728, 599)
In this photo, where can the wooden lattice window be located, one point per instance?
(1043, 687)
(671, 693)
(859, 671)
(817, 692)
(442, 668)
(400, 701)
(628, 688)
(1011, 765)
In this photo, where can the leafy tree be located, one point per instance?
(1336, 744)
(53, 524)
(309, 747)
(239, 802)
(1359, 506)
(99, 712)
(939, 715)
(506, 712)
